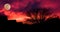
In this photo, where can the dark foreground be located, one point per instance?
(50, 25)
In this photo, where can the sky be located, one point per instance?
(23, 10)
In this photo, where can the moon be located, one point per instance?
(7, 6)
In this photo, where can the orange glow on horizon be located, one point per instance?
(18, 16)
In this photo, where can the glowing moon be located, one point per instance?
(7, 6)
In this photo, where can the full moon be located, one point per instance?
(7, 6)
